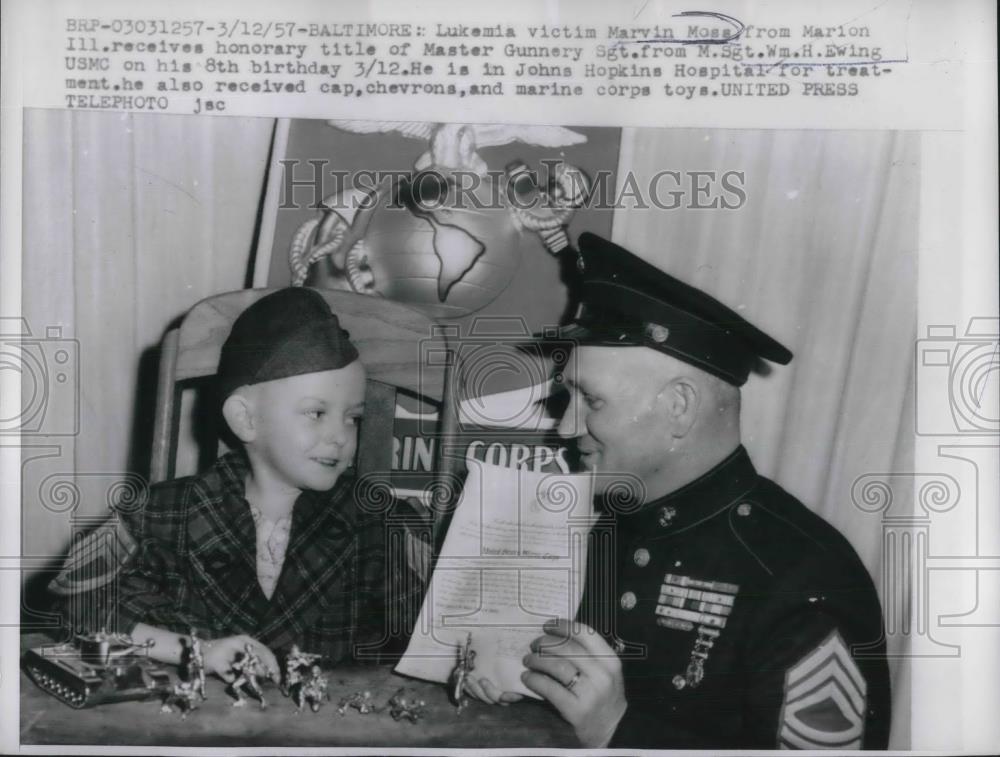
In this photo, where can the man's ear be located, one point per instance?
(681, 398)
(238, 411)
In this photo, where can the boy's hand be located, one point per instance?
(220, 655)
(485, 690)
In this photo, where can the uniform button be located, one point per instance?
(743, 509)
(667, 514)
(628, 600)
(658, 333)
(641, 557)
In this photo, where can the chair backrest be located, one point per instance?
(401, 348)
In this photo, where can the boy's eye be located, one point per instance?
(354, 420)
(593, 402)
(315, 414)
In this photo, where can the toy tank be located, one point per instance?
(97, 668)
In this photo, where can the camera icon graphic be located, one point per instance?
(503, 372)
(958, 380)
(49, 371)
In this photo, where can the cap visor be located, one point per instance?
(572, 332)
(579, 334)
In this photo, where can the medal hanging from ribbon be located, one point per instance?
(696, 666)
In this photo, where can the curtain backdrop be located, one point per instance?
(129, 220)
(823, 256)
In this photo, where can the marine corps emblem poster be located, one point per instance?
(422, 377)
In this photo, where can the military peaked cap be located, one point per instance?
(626, 301)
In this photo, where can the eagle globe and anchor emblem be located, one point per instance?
(419, 240)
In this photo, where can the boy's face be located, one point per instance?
(306, 427)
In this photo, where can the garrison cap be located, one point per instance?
(626, 301)
(285, 333)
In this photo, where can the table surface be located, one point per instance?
(46, 720)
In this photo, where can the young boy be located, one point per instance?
(269, 547)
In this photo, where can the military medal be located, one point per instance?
(686, 603)
(696, 666)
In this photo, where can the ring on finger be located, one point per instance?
(572, 681)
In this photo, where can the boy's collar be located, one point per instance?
(230, 510)
(232, 469)
(221, 544)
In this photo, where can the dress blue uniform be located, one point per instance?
(741, 618)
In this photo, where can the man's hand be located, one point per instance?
(581, 676)
(220, 655)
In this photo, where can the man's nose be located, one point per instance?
(570, 425)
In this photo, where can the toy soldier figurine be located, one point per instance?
(247, 668)
(359, 700)
(183, 697)
(295, 663)
(466, 663)
(312, 690)
(194, 664)
(403, 707)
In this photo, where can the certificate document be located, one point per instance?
(514, 557)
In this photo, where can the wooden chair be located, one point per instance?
(401, 348)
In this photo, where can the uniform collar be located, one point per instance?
(716, 490)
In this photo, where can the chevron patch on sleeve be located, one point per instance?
(418, 556)
(95, 558)
(824, 700)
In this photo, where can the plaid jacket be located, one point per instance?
(345, 590)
